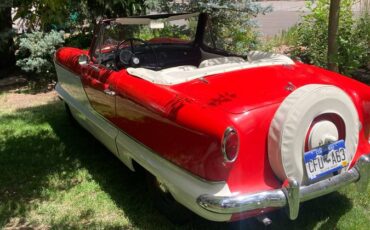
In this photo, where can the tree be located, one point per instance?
(116, 8)
(45, 15)
(233, 27)
(333, 34)
(41, 14)
(351, 37)
(6, 38)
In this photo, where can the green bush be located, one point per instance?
(353, 37)
(81, 40)
(233, 27)
(35, 53)
(281, 43)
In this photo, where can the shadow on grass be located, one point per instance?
(321, 213)
(29, 157)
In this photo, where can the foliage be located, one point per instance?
(185, 31)
(73, 15)
(362, 32)
(312, 33)
(285, 39)
(77, 18)
(41, 14)
(81, 40)
(36, 50)
(116, 8)
(6, 39)
(232, 24)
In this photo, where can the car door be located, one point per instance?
(98, 81)
(99, 84)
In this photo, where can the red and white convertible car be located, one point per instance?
(227, 136)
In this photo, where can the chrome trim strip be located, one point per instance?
(288, 195)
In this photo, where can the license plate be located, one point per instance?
(325, 160)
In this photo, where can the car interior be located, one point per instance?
(171, 60)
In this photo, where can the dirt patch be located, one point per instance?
(14, 101)
(13, 82)
(23, 224)
(6, 82)
(19, 92)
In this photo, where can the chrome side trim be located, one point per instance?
(290, 195)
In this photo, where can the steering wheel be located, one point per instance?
(128, 58)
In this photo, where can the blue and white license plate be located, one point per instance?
(325, 160)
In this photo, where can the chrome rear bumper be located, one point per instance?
(291, 193)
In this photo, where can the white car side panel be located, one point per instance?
(70, 88)
(72, 85)
(184, 187)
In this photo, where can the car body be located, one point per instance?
(228, 136)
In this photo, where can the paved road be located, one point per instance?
(285, 14)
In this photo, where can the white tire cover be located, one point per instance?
(291, 123)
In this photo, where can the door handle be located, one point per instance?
(109, 92)
(95, 67)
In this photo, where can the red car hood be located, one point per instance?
(244, 90)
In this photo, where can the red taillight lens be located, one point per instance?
(230, 144)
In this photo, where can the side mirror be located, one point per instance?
(83, 60)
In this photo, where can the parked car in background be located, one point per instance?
(228, 136)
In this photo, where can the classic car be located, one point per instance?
(227, 135)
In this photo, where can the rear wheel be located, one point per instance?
(165, 203)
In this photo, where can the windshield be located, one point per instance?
(165, 30)
(153, 42)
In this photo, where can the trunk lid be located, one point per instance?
(244, 90)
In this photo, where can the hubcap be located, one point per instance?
(323, 132)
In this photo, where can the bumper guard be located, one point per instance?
(291, 193)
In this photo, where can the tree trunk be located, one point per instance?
(333, 34)
(7, 58)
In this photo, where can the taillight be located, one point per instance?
(230, 144)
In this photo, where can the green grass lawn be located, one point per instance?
(55, 175)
